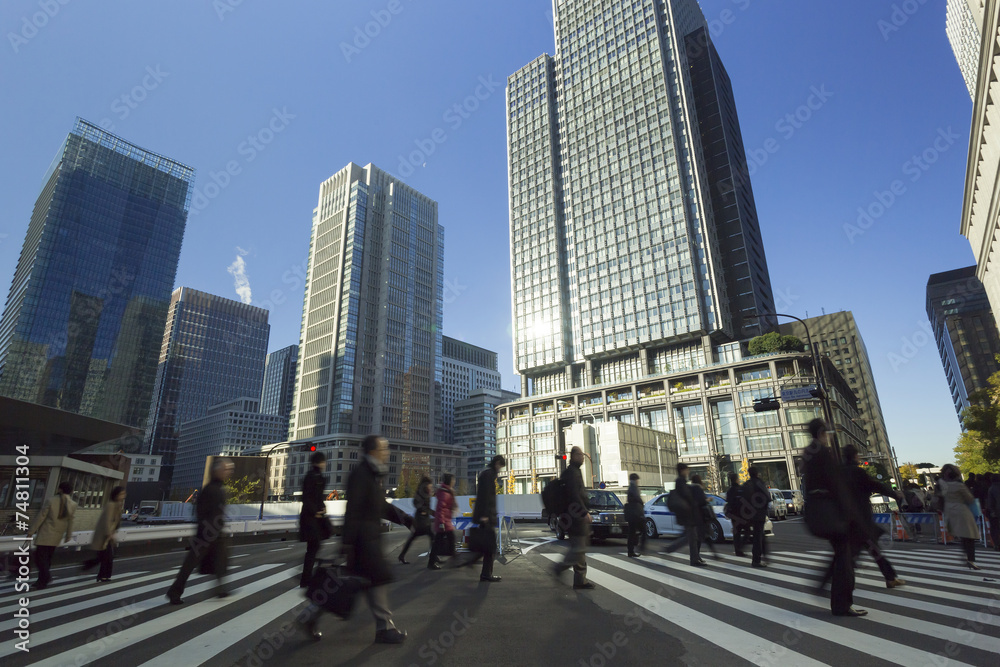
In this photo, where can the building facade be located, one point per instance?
(707, 407)
(964, 24)
(965, 332)
(143, 467)
(634, 234)
(614, 450)
(465, 368)
(836, 336)
(278, 392)
(476, 428)
(233, 428)
(370, 344)
(84, 316)
(213, 350)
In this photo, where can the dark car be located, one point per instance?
(608, 516)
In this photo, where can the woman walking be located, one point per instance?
(104, 535)
(444, 530)
(421, 517)
(958, 518)
(53, 523)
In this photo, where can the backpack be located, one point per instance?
(554, 497)
(677, 504)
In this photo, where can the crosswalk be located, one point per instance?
(945, 616)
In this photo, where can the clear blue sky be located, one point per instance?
(220, 76)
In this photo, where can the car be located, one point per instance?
(884, 504)
(661, 521)
(777, 509)
(608, 517)
(794, 501)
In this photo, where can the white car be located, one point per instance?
(777, 509)
(661, 521)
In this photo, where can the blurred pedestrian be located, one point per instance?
(485, 511)
(314, 525)
(681, 503)
(104, 542)
(635, 515)
(421, 517)
(992, 509)
(958, 517)
(701, 506)
(578, 515)
(53, 525)
(444, 530)
(209, 547)
(732, 512)
(755, 497)
(829, 513)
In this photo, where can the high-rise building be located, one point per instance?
(213, 350)
(964, 24)
(965, 332)
(634, 238)
(476, 427)
(233, 428)
(370, 346)
(85, 313)
(278, 392)
(465, 368)
(836, 336)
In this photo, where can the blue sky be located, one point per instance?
(286, 94)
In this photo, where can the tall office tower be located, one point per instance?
(836, 336)
(86, 308)
(278, 392)
(213, 350)
(964, 25)
(370, 345)
(476, 428)
(634, 240)
(965, 332)
(465, 368)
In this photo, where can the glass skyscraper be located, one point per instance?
(85, 313)
(212, 351)
(635, 247)
(278, 393)
(370, 346)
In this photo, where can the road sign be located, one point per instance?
(797, 393)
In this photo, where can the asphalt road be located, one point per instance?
(654, 610)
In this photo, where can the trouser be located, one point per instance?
(488, 558)
(884, 566)
(197, 553)
(312, 548)
(43, 561)
(414, 535)
(969, 544)
(576, 557)
(441, 543)
(636, 535)
(106, 558)
(378, 602)
(842, 572)
(757, 540)
(692, 537)
(995, 531)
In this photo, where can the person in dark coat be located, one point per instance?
(314, 526)
(755, 498)
(485, 511)
(732, 512)
(635, 515)
(823, 479)
(208, 547)
(701, 506)
(578, 516)
(688, 516)
(421, 517)
(992, 509)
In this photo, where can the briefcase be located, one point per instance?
(482, 540)
(334, 590)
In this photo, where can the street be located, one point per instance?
(653, 610)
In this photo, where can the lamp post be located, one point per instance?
(263, 495)
(820, 380)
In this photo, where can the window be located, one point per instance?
(761, 443)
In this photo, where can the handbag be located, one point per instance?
(444, 543)
(335, 591)
(325, 527)
(824, 517)
(482, 540)
(976, 509)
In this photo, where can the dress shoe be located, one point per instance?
(851, 612)
(972, 566)
(174, 599)
(761, 564)
(741, 554)
(433, 566)
(699, 563)
(584, 587)
(895, 583)
(494, 577)
(390, 636)
(634, 555)
(403, 561)
(309, 627)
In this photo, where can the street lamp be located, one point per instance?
(820, 379)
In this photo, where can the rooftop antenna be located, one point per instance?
(823, 310)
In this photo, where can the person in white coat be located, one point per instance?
(53, 524)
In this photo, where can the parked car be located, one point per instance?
(794, 501)
(661, 521)
(884, 504)
(608, 516)
(777, 509)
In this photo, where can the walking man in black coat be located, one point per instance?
(314, 527)
(208, 547)
(578, 516)
(485, 511)
(755, 499)
(421, 517)
(634, 514)
(689, 516)
(732, 511)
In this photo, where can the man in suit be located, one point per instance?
(578, 515)
(688, 516)
(486, 513)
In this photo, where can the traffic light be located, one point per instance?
(765, 404)
(312, 448)
(817, 393)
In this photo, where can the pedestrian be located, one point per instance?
(958, 517)
(209, 547)
(829, 513)
(578, 516)
(421, 517)
(443, 543)
(754, 499)
(732, 512)
(53, 525)
(485, 511)
(681, 503)
(104, 542)
(314, 525)
(635, 515)
(992, 509)
(362, 541)
(701, 506)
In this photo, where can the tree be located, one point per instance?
(969, 455)
(978, 449)
(921, 466)
(774, 342)
(875, 469)
(745, 470)
(462, 487)
(240, 490)
(408, 480)
(907, 472)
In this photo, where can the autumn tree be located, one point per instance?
(907, 472)
(240, 490)
(978, 448)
